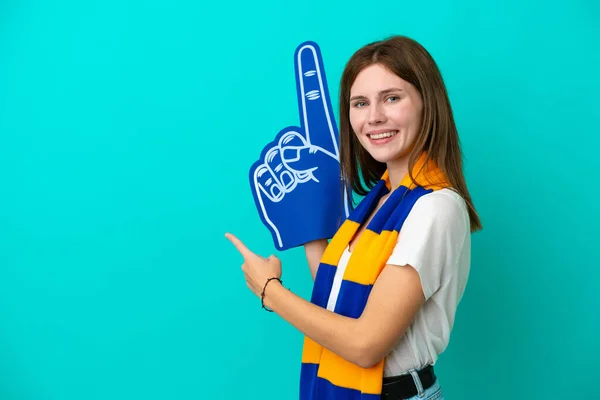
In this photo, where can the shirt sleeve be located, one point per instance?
(432, 238)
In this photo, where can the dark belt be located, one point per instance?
(403, 386)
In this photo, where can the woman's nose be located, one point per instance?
(376, 115)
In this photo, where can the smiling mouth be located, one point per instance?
(382, 135)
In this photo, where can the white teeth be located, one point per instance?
(383, 135)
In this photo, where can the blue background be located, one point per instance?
(127, 129)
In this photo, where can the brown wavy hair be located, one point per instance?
(438, 135)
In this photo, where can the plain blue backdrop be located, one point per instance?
(127, 129)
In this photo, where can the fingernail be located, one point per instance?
(287, 179)
(291, 154)
(275, 192)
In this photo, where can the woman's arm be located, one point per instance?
(314, 252)
(392, 305)
(434, 234)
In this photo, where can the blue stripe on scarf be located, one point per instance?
(367, 205)
(401, 213)
(323, 284)
(380, 219)
(325, 389)
(352, 299)
(308, 376)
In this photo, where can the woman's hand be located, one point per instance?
(257, 269)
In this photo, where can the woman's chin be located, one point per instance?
(383, 158)
(387, 158)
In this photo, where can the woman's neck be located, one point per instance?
(397, 170)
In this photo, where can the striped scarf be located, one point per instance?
(325, 375)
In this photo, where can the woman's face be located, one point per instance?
(385, 113)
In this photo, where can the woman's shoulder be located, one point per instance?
(444, 206)
(443, 200)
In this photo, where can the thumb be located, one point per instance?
(304, 159)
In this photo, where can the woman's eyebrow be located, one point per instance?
(381, 93)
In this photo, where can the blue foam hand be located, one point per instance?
(296, 183)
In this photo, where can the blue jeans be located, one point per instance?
(434, 392)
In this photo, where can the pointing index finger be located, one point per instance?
(241, 247)
(316, 115)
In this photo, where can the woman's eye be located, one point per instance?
(359, 104)
(393, 99)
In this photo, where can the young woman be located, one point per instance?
(388, 284)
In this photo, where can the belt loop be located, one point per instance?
(417, 381)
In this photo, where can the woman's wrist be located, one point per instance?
(271, 289)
